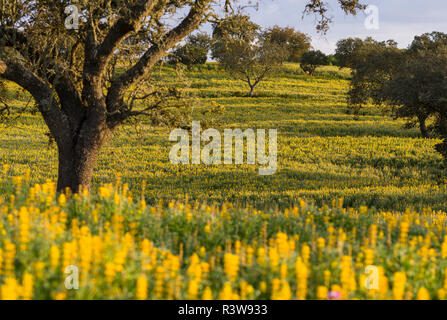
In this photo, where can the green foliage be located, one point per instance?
(194, 52)
(295, 42)
(312, 59)
(242, 51)
(412, 82)
(373, 64)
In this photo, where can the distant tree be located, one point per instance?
(344, 53)
(395, 78)
(236, 27)
(332, 60)
(194, 51)
(373, 63)
(351, 52)
(418, 89)
(241, 50)
(311, 60)
(295, 42)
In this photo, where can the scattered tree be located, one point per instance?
(418, 89)
(295, 42)
(243, 51)
(194, 52)
(311, 60)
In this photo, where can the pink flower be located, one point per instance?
(334, 295)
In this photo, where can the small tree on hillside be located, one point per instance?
(194, 52)
(311, 60)
(241, 49)
(295, 42)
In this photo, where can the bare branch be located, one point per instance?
(15, 71)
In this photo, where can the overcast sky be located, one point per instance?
(400, 20)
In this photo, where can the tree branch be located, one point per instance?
(155, 53)
(119, 31)
(53, 116)
(48, 68)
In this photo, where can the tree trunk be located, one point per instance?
(423, 126)
(252, 89)
(76, 169)
(78, 159)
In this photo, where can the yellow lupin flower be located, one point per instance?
(27, 286)
(141, 289)
(423, 294)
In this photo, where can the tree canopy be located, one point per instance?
(243, 49)
(311, 60)
(295, 42)
(194, 51)
(412, 82)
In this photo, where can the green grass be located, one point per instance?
(323, 151)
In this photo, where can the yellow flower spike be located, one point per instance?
(399, 283)
(9, 258)
(302, 273)
(10, 289)
(54, 256)
(441, 294)
(273, 258)
(62, 201)
(322, 292)
(141, 288)
(231, 266)
(105, 192)
(193, 289)
(423, 294)
(207, 294)
(227, 292)
(27, 286)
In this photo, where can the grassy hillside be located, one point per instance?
(323, 152)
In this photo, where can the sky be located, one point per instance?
(399, 20)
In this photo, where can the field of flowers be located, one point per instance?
(357, 209)
(122, 248)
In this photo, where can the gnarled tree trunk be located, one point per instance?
(76, 164)
(423, 127)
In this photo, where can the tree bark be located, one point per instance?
(75, 170)
(75, 173)
(78, 159)
(252, 89)
(423, 127)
